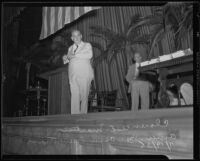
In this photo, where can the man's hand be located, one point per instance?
(70, 56)
(65, 59)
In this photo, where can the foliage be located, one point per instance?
(122, 41)
(174, 16)
(46, 54)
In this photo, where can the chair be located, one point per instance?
(102, 101)
(92, 101)
(107, 100)
(186, 91)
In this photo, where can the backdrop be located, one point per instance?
(114, 18)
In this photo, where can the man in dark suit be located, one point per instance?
(138, 85)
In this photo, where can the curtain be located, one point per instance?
(54, 18)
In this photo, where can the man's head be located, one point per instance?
(76, 36)
(137, 57)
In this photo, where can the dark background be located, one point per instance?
(18, 36)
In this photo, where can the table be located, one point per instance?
(177, 71)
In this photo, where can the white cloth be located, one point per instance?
(136, 69)
(174, 102)
(80, 76)
(186, 90)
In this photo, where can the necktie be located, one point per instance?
(76, 49)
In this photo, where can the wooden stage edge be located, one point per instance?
(141, 114)
(166, 132)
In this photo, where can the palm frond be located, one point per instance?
(158, 11)
(142, 39)
(66, 34)
(145, 21)
(187, 20)
(114, 46)
(135, 19)
(159, 33)
(174, 4)
(173, 22)
(117, 43)
(100, 58)
(97, 46)
(176, 12)
(106, 32)
(99, 36)
(111, 56)
(39, 56)
(126, 27)
(185, 25)
(107, 54)
(172, 15)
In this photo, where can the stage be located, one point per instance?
(166, 132)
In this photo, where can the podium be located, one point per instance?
(59, 97)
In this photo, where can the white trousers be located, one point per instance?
(140, 89)
(79, 87)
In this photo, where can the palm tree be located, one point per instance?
(186, 23)
(44, 55)
(120, 42)
(174, 16)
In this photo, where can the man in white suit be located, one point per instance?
(80, 72)
(138, 85)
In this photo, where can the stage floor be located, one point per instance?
(166, 132)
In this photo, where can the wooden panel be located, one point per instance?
(180, 69)
(58, 91)
(65, 94)
(166, 132)
(55, 94)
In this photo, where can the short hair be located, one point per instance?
(75, 30)
(138, 53)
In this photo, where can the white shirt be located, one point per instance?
(136, 69)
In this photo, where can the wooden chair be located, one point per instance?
(107, 100)
(186, 91)
(102, 101)
(92, 101)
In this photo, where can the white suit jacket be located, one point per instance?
(130, 76)
(80, 65)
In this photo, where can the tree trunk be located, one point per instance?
(123, 88)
